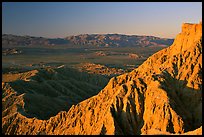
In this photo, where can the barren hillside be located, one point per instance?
(42, 93)
(161, 96)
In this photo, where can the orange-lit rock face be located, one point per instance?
(162, 96)
(190, 35)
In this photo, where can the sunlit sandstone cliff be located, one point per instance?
(162, 96)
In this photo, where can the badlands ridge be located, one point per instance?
(161, 96)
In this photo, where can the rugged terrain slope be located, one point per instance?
(161, 96)
(44, 92)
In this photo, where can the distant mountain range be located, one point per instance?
(98, 40)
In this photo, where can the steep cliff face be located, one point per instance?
(162, 96)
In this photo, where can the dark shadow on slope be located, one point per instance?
(180, 96)
(126, 122)
(130, 121)
(55, 90)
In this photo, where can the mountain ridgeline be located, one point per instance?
(161, 96)
(98, 40)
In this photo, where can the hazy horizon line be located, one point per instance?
(23, 35)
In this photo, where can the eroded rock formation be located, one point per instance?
(161, 96)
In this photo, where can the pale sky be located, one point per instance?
(61, 19)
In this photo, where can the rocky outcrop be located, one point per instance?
(99, 69)
(134, 56)
(161, 96)
(11, 51)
